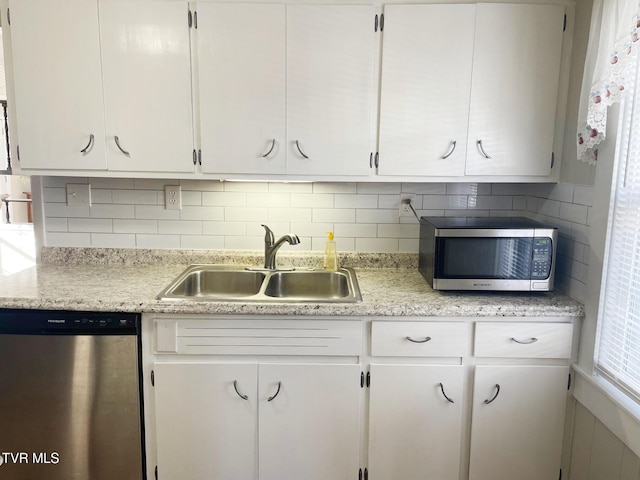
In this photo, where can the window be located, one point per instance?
(618, 349)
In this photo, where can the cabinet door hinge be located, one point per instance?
(564, 24)
(153, 380)
(368, 383)
(569, 383)
(553, 159)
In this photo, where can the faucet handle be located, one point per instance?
(269, 239)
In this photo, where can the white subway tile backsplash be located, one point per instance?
(364, 216)
(113, 211)
(371, 215)
(356, 201)
(113, 240)
(201, 213)
(138, 197)
(180, 227)
(331, 215)
(60, 239)
(155, 212)
(53, 224)
(224, 228)
(98, 225)
(157, 241)
(54, 195)
(202, 242)
(312, 200)
(135, 226)
(356, 230)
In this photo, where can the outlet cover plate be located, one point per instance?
(78, 195)
(172, 197)
(405, 210)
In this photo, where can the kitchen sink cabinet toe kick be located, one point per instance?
(319, 398)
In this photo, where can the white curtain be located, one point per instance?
(614, 41)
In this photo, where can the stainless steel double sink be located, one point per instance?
(223, 283)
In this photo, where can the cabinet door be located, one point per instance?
(426, 85)
(310, 427)
(147, 85)
(330, 50)
(204, 429)
(514, 90)
(517, 422)
(58, 84)
(414, 430)
(241, 73)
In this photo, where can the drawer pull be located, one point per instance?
(426, 339)
(444, 394)
(276, 394)
(487, 402)
(235, 386)
(525, 342)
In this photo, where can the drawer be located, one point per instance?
(419, 339)
(244, 336)
(523, 340)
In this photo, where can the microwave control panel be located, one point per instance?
(542, 252)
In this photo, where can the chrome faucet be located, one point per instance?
(271, 246)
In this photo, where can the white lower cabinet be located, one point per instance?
(235, 398)
(518, 422)
(415, 415)
(250, 421)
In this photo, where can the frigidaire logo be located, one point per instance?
(23, 458)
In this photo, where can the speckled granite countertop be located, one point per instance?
(129, 280)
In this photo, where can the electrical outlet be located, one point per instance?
(172, 197)
(78, 195)
(405, 200)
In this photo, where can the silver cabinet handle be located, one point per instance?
(525, 342)
(117, 140)
(484, 154)
(487, 402)
(451, 149)
(86, 149)
(235, 387)
(276, 394)
(425, 340)
(444, 394)
(273, 145)
(300, 150)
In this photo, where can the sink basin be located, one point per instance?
(232, 283)
(308, 285)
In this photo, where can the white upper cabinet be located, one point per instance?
(241, 76)
(492, 68)
(58, 84)
(146, 63)
(91, 75)
(516, 70)
(426, 84)
(286, 89)
(330, 74)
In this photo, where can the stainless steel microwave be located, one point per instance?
(494, 253)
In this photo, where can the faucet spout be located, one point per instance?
(271, 246)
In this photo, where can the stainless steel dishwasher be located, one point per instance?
(70, 396)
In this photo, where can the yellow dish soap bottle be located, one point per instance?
(330, 255)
